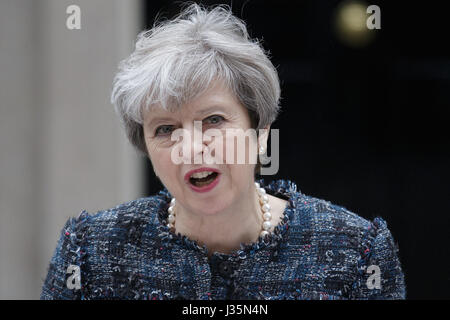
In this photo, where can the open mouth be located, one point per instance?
(203, 178)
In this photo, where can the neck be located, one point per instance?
(226, 230)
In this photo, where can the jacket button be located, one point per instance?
(225, 269)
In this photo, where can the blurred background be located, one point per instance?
(364, 122)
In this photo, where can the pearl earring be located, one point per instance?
(261, 150)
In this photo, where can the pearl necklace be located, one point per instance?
(263, 201)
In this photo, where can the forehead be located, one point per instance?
(217, 98)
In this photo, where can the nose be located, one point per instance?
(192, 145)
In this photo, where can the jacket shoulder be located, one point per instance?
(142, 210)
(87, 240)
(322, 215)
(365, 246)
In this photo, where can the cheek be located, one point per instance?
(161, 162)
(241, 150)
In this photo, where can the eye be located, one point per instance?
(215, 119)
(163, 130)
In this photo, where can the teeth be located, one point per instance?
(203, 174)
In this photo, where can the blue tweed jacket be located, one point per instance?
(318, 251)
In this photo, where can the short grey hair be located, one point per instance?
(178, 59)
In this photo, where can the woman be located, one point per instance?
(213, 232)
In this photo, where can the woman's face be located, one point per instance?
(228, 182)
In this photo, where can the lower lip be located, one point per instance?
(206, 188)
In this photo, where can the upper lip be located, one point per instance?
(191, 172)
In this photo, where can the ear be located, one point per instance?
(263, 136)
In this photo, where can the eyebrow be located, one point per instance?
(201, 112)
